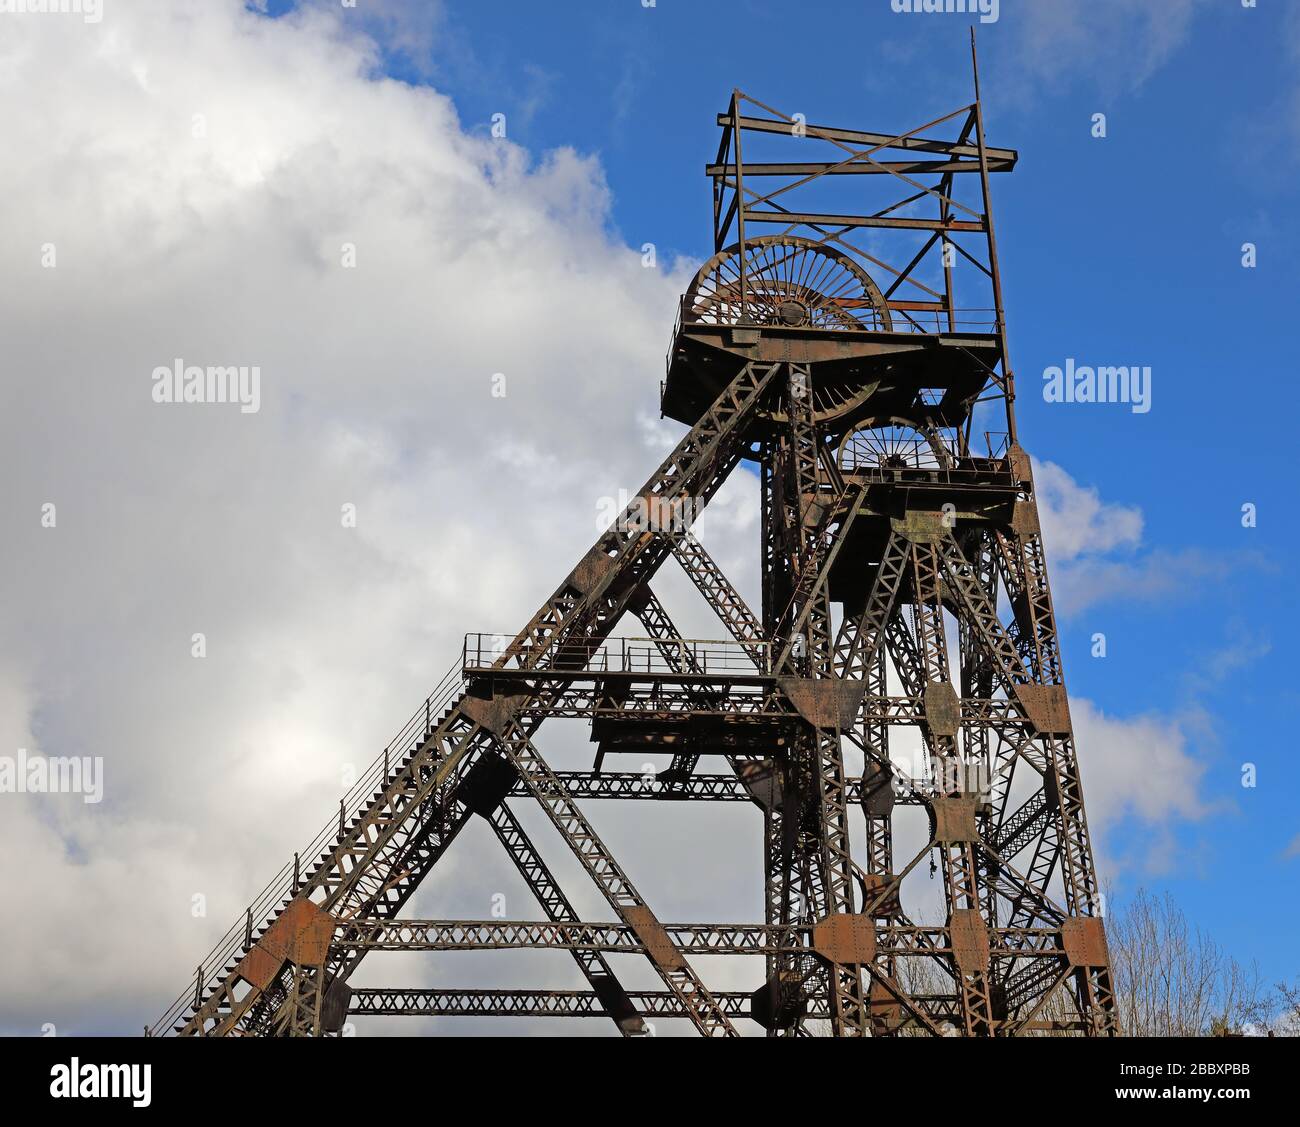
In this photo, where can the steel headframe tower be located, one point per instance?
(904, 661)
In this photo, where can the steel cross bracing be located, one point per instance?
(899, 683)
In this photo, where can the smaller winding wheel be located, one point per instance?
(791, 282)
(892, 443)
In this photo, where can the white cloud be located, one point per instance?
(225, 248)
(1096, 552)
(1110, 46)
(1076, 521)
(1139, 772)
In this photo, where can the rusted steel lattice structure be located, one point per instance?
(903, 662)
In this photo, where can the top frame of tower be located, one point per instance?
(872, 251)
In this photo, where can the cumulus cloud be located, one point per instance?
(197, 175)
(1139, 770)
(1110, 46)
(1075, 519)
(1097, 554)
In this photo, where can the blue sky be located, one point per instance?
(200, 167)
(1119, 250)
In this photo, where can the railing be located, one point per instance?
(998, 443)
(973, 319)
(902, 455)
(484, 652)
(967, 320)
(672, 341)
(993, 475)
(286, 882)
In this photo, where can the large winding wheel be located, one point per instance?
(795, 291)
(800, 287)
(788, 281)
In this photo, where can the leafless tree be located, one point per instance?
(1282, 1017)
(1173, 980)
(1170, 980)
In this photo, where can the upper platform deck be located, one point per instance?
(854, 372)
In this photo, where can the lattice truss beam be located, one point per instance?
(892, 708)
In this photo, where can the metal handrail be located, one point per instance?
(937, 475)
(914, 322)
(998, 444)
(285, 883)
(483, 652)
